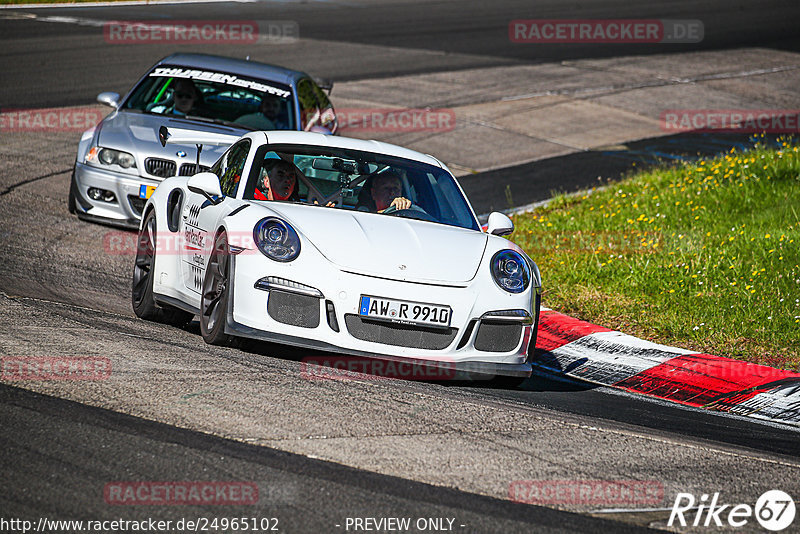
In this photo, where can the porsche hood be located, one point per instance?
(388, 246)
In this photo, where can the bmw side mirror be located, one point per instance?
(325, 84)
(206, 184)
(499, 224)
(109, 99)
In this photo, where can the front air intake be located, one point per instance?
(293, 309)
(498, 337)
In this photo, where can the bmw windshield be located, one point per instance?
(214, 97)
(357, 180)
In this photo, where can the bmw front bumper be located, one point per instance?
(125, 210)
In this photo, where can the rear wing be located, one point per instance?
(195, 138)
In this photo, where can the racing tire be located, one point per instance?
(144, 305)
(73, 190)
(214, 298)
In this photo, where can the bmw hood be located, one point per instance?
(388, 246)
(137, 133)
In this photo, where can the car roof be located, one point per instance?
(279, 137)
(242, 67)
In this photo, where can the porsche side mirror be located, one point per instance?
(499, 224)
(109, 99)
(206, 184)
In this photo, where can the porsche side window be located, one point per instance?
(230, 166)
(452, 210)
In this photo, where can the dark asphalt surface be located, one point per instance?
(490, 191)
(655, 417)
(56, 64)
(57, 455)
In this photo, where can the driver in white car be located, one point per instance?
(386, 190)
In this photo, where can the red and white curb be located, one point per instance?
(596, 354)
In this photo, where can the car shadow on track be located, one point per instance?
(316, 364)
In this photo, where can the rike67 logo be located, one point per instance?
(774, 511)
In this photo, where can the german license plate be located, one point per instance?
(403, 311)
(146, 190)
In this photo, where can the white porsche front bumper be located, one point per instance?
(323, 315)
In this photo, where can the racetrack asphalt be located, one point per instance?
(177, 409)
(61, 454)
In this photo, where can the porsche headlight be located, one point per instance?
(108, 156)
(510, 271)
(276, 239)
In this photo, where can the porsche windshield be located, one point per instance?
(215, 97)
(356, 180)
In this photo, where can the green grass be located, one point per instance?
(703, 255)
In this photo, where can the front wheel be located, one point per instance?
(73, 190)
(144, 305)
(214, 301)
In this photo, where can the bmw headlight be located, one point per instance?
(510, 271)
(276, 239)
(108, 156)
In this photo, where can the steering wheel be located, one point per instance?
(414, 212)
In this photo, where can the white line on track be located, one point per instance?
(124, 3)
(594, 91)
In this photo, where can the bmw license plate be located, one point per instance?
(403, 311)
(146, 190)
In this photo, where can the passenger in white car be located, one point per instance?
(277, 181)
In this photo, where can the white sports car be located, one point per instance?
(332, 268)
